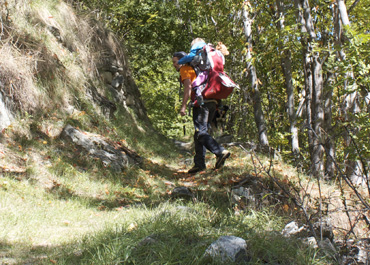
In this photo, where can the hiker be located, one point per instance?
(196, 45)
(200, 82)
(202, 116)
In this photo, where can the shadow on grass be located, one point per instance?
(133, 182)
(18, 253)
(166, 238)
(181, 236)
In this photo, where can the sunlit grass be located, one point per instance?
(78, 212)
(180, 233)
(68, 202)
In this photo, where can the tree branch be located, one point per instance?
(353, 6)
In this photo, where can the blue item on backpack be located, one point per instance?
(193, 51)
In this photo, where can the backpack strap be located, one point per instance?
(208, 50)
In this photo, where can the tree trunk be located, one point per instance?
(350, 104)
(317, 106)
(286, 65)
(307, 62)
(252, 73)
(313, 86)
(329, 143)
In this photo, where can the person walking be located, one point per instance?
(202, 116)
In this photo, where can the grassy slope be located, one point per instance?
(58, 206)
(93, 216)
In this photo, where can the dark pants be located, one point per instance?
(202, 116)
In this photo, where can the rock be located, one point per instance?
(97, 147)
(363, 254)
(51, 129)
(310, 241)
(130, 100)
(244, 195)
(149, 240)
(185, 146)
(6, 116)
(118, 96)
(250, 193)
(228, 249)
(118, 81)
(185, 209)
(319, 227)
(182, 192)
(328, 247)
(292, 229)
(107, 107)
(355, 252)
(107, 77)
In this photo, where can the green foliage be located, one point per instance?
(153, 30)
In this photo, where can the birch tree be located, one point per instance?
(350, 104)
(286, 65)
(313, 86)
(252, 74)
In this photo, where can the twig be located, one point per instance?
(296, 200)
(353, 6)
(346, 179)
(361, 159)
(2, 27)
(344, 201)
(349, 183)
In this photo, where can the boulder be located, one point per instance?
(97, 147)
(228, 249)
(182, 192)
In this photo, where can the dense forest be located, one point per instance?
(302, 68)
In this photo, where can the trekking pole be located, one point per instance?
(190, 105)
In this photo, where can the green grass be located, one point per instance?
(78, 212)
(168, 234)
(67, 208)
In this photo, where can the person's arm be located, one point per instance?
(186, 97)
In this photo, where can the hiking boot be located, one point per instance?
(195, 169)
(221, 159)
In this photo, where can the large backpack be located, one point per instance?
(218, 85)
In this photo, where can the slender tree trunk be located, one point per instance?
(252, 73)
(350, 105)
(317, 106)
(307, 62)
(329, 143)
(313, 85)
(286, 65)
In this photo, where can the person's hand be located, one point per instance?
(183, 111)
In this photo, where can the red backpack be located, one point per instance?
(219, 84)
